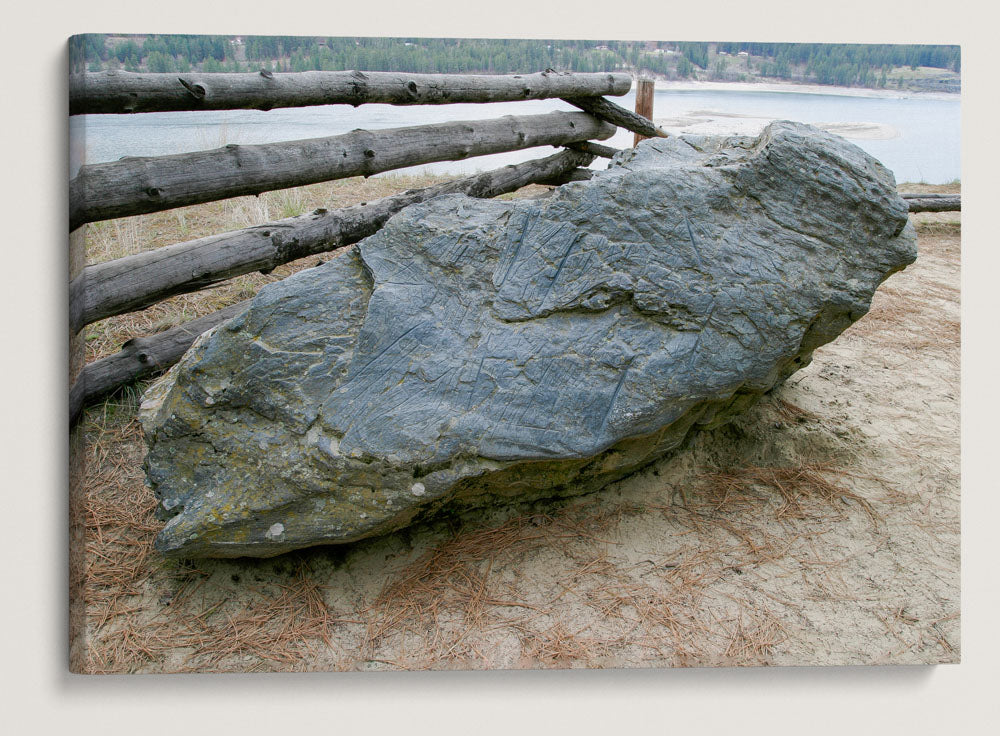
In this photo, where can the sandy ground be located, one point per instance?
(820, 529)
(795, 87)
(715, 122)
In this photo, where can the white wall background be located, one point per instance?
(37, 693)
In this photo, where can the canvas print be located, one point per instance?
(415, 353)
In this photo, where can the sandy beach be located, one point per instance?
(715, 122)
(797, 88)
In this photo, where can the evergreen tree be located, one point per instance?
(158, 61)
(843, 64)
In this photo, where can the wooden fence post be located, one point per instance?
(643, 103)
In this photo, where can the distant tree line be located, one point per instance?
(841, 64)
(865, 65)
(870, 55)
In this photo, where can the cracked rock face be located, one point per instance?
(475, 351)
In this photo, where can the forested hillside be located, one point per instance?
(868, 65)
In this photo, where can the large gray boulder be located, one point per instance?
(475, 351)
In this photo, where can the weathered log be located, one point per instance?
(933, 203)
(135, 186)
(617, 115)
(567, 177)
(141, 357)
(129, 92)
(594, 149)
(134, 282)
(643, 104)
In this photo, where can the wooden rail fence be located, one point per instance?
(141, 185)
(933, 202)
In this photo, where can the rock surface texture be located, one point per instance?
(476, 350)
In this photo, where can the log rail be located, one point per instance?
(141, 185)
(933, 202)
(119, 92)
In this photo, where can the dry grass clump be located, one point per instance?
(455, 577)
(451, 592)
(909, 320)
(940, 237)
(118, 529)
(793, 413)
(754, 636)
(909, 187)
(279, 629)
(796, 486)
(124, 582)
(117, 516)
(906, 322)
(282, 627)
(559, 646)
(660, 602)
(945, 226)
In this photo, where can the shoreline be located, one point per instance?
(715, 123)
(799, 88)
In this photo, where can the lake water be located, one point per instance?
(927, 147)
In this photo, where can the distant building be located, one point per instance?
(112, 41)
(239, 50)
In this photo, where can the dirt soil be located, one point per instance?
(822, 528)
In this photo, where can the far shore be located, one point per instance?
(712, 122)
(798, 88)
